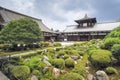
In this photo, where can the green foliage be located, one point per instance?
(112, 38)
(22, 31)
(20, 72)
(69, 63)
(34, 63)
(111, 70)
(100, 58)
(57, 44)
(59, 63)
(109, 42)
(51, 50)
(115, 33)
(44, 44)
(66, 56)
(116, 51)
(80, 66)
(72, 76)
(72, 52)
(60, 53)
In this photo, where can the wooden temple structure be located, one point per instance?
(7, 15)
(88, 29)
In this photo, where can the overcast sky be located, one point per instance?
(57, 14)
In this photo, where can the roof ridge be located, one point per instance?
(16, 12)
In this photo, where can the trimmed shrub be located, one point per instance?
(44, 44)
(51, 50)
(109, 42)
(116, 51)
(69, 63)
(111, 70)
(59, 63)
(66, 56)
(60, 53)
(72, 52)
(57, 44)
(100, 58)
(20, 72)
(72, 76)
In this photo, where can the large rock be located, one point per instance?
(34, 78)
(100, 75)
(89, 77)
(56, 72)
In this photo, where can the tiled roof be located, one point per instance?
(97, 27)
(9, 15)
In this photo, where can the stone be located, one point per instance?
(63, 71)
(34, 78)
(75, 57)
(81, 57)
(46, 58)
(101, 75)
(75, 62)
(45, 69)
(89, 77)
(56, 73)
(46, 62)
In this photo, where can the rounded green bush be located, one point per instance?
(100, 58)
(58, 63)
(66, 56)
(20, 72)
(69, 63)
(72, 52)
(44, 44)
(51, 50)
(60, 53)
(116, 51)
(111, 70)
(57, 44)
(72, 76)
(109, 42)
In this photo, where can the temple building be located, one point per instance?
(87, 29)
(7, 15)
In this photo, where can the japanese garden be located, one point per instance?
(96, 59)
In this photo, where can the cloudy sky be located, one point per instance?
(57, 14)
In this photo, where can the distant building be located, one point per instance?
(7, 15)
(88, 29)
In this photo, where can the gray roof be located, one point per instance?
(97, 27)
(9, 15)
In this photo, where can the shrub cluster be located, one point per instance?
(44, 44)
(20, 72)
(116, 51)
(59, 63)
(57, 44)
(109, 42)
(72, 76)
(100, 58)
(69, 63)
(111, 70)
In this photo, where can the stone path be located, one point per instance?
(3, 77)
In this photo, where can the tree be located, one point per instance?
(23, 31)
